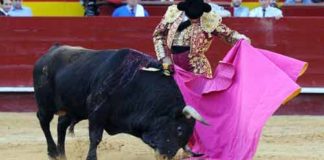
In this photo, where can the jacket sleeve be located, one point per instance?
(227, 34)
(159, 39)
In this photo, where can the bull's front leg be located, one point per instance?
(95, 133)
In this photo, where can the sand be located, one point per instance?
(283, 138)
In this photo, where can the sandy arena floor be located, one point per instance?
(284, 138)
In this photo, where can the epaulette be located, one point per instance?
(209, 21)
(172, 14)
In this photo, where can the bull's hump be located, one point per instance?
(76, 48)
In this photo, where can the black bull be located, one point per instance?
(111, 89)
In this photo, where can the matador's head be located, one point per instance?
(194, 9)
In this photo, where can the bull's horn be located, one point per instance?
(150, 69)
(190, 112)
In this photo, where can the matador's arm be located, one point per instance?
(229, 35)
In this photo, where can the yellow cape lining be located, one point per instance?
(297, 91)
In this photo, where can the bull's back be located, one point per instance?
(61, 58)
(58, 57)
(85, 75)
(46, 70)
(63, 76)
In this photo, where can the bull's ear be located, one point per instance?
(148, 139)
(178, 114)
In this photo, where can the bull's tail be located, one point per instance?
(71, 127)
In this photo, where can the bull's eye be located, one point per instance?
(179, 131)
(153, 145)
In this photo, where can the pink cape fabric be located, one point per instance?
(248, 86)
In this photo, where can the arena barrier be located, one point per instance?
(155, 8)
(303, 10)
(159, 8)
(24, 40)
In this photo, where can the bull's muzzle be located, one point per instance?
(159, 156)
(190, 112)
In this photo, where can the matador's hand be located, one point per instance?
(168, 69)
(167, 66)
(246, 38)
(239, 36)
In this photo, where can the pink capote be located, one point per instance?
(248, 86)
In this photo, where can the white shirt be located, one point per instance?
(241, 11)
(4, 12)
(138, 10)
(269, 12)
(23, 12)
(220, 10)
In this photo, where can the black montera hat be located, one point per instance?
(194, 8)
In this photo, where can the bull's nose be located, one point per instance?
(152, 144)
(159, 156)
(162, 157)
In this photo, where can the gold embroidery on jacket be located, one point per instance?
(182, 38)
(172, 14)
(198, 36)
(173, 29)
(209, 21)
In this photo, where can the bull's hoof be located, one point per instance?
(53, 155)
(62, 157)
(52, 158)
(91, 157)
